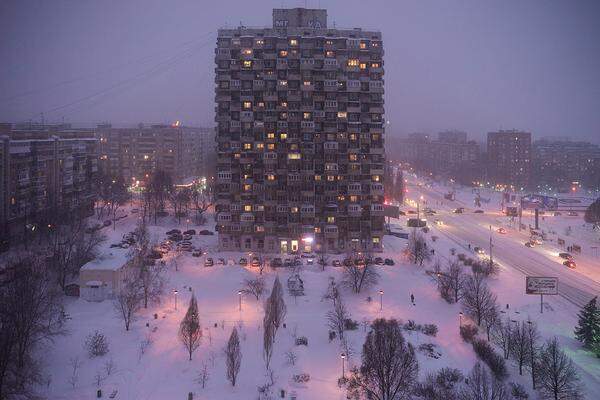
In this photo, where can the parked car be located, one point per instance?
(347, 262)
(221, 261)
(243, 262)
(206, 232)
(276, 262)
(190, 232)
(310, 261)
(388, 261)
(570, 263)
(459, 210)
(478, 250)
(255, 262)
(173, 231)
(209, 262)
(572, 213)
(115, 245)
(336, 263)
(536, 240)
(501, 231)
(196, 253)
(530, 244)
(478, 211)
(378, 260)
(187, 237)
(565, 256)
(438, 222)
(288, 263)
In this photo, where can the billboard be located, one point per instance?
(533, 201)
(391, 211)
(541, 285)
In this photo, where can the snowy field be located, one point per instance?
(162, 370)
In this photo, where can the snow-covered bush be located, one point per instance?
(302, 341)
(517, 391)
(468, 332)
(486, 353)
(350, 324)
(301, 378)
(430, 329)
(96, 344)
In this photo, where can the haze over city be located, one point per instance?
(470, 65)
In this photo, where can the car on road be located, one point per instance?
(459, 210)
(187, 237)
(378, 261)
(478, 250)
(209, 262)
(205, 232)
(530, 244)
(173, 231)
(501, 231)
(221, 261)
(565, 256)
(572, 213)
(336, 263)
(276, 262)
(255, 262)
(243, 262)
(388, 261)
(190, 232)
(536, 240)
(478, 211)
(196, 253)
(570, 263)
(438, 222)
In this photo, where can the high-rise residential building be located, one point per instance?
(135, 153)
(300, 136)
(509, 158)
(44, 169)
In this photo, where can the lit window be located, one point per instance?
(353, 198)
(331, 220)
(294, 156)
(341, 198)
(294, 209)
(330, 178)
(363, 66)
(247, 188)
(306, 115)
(284, 104)
(247, 146)
(376, 178)
(306, 83)
(247, 64)
(271, 135)
(283, 83)
(363, 45)
(271, 146)
(342, 114)
(283, 136)
(353, 62)
(260, 146)
(317, 229)
(352, 157)
(375, 65)
(247, 104)
(247, 207)
(353, 136)
(260, 42)
(317, 177)
(146, 156)
(261, 104)
(330, 53)
(283, 53)
(247, 52)
(293, 42)
(376, 240)
(270, 177)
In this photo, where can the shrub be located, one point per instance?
(302, 341)
(301, 378)
(411, 326)
(350, 325)
(430, 329)
(461, 257)
(332, 335)
(518, 392)
(493, 360)
(468, 332)
(96, 344)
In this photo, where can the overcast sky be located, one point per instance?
(473, 65)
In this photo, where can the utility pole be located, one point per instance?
(491, 246)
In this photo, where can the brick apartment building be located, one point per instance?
(509, 158)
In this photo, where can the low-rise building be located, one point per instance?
(101, 278)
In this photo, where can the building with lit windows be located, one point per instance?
(509, 158)
(300, 136)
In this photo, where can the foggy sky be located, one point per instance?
(470, 65)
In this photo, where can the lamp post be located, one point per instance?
(460, 315)
(240, 299)
(343, 357)
(380, 300)
(175, 292)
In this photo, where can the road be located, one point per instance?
(508, 249)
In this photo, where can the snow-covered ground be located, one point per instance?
(164, 372)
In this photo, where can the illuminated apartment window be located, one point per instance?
(353, 136)
(293, 156)
(247, 188)
(247, 146)
(293, 42)
(283, 136)
(352, 157)
(271, 146)
(317, 177)
(247, 104)
(329, 42)
(247, 207)
(363, 66)
(375, 136)
(341, 198)
(260, 42)
(247, 64)
(330, 53)
(363, 45)
(306, 83)
(353, 198)
(294, 146)
(306, 115)
(236, 155)
(353, 62)
(330, 178)
(270, 177)
(283, 83)
(260, 146)
(294, 209)
(260, 104)
(376, 240)
(331, 220)
(284, 104)
(283, 53)
(247, 52)
(146, 156)
(376, 178)
(270, 135)
(317, 229)
(375, 65)
(342, 114)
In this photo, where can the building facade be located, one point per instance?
(44, 169)
(135, 153)
(509, 158)
(300, 136)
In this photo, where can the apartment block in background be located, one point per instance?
(509, 158)
(135, 153)
(44, 169)
(299, 109)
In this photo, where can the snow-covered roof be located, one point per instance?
(111, 260)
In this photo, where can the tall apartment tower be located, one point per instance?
(509, 157)
(299, 136)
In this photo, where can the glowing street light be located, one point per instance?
(175, 292)
(240, 299)
(380, 300)
(460, 315)
(343, 357)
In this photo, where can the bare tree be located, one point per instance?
(203, 375)
(180, 201)
(359, 273)
(268, 336)
(477, 297)
(75, 365)
(322, 257)
(276, 306)
(337, 317)
(481, 385)
(533, 336)
(158, 188)
(128, 301)
(254, 287)
(520, 345)
(201, 202)
(557, 376)
(417, 249)
(190, 331)
(389, 369)
(451, 281)
(291, 358)
(233, 357)
(502, 336)
(491, 318)
(443, 385)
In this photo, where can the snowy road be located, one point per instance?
(509, 250)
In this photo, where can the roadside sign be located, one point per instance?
(391, 211)
(541, 285)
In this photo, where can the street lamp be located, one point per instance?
(460, 315)
(343, 356)
(240, 299)
(175, 292)
(380, 300)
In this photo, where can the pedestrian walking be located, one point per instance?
(412, 299)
